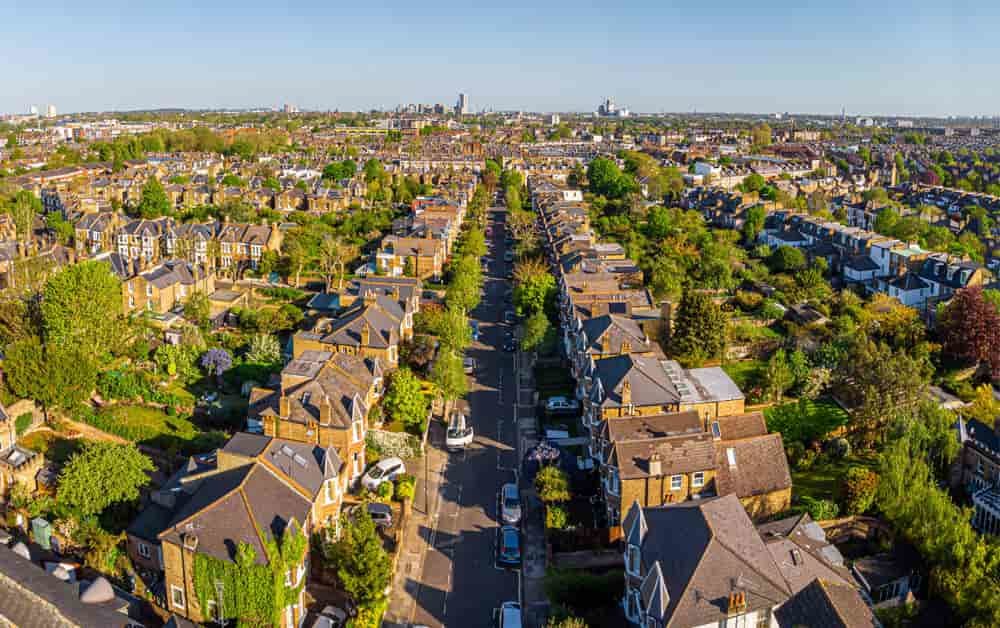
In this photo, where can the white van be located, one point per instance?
(459, 434)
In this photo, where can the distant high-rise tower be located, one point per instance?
(50, 111)
(33, 110)
(462, 106)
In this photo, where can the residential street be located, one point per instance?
(448, 572)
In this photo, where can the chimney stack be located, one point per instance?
(655, 465)
(325, 411)
(626, 393)
(284, 407)
(365, 335)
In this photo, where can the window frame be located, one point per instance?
(698, 479)
(676, 482)
(174, 592)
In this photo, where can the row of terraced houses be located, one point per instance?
(685, 469)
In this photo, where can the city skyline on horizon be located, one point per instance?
(898, 59)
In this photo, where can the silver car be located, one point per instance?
(510, 504)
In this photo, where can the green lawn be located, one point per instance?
(805, 420)
(822, 480)
(154, 427)
(746, 373)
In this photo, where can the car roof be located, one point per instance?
(387, 462)
(510, 487)
(379, 507)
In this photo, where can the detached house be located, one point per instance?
(702, 564)
(166, 286)
(372, 327)
(253, 491)
(426, 256)
(322, 398)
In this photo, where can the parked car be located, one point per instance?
(510, 615)
(509, 344)
(210, 397)
(460, 434)
(385, 470)
(331, 617)
(380, 513)
(510, 504)
(475, 330)
(469, 365)
(509, 547)
(561, 404)
(508, 256)
(509, 317)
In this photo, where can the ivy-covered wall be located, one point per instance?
(252, 594)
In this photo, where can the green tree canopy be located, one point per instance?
(82, 308)
(404, 400)
(607, 179)
(363, 566)
(102, 474)
(699, 330)
(154, 202)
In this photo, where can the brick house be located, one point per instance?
(322, 398)
(164, 287)
(669, 458)
(252, 489)
(426, 256)
(703, 564)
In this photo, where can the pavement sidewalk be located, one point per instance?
(534, 603)
(415, 538)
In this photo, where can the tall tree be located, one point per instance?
(404, 400)
(881, 387)
(534, 287)
(154, 202)
(699, 332)
(102, 474)
(969, 328)
(363, 566)
(334, 254)
(82, 308)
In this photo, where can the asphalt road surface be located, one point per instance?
(460, 584)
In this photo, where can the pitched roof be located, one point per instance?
(708, 549)
(751, 466)
(238, 506)
(824, 604)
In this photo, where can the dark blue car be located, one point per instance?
(475, 330)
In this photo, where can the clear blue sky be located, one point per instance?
(891, 56)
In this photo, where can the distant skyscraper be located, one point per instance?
(462, 107)
(33, 110)
(50, 111)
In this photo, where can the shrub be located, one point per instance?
(748, 301)
(552, 485)
(858, 490)
(405, 487)
(806, 460)
(820, 509)
(385, 491)
(555, 517)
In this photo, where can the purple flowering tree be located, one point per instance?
(216, 362)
